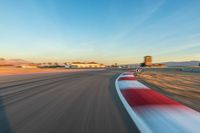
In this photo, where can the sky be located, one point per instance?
(106, 31)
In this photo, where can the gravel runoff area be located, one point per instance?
(183, 87)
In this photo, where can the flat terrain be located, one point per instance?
(12, 71)
(77, 102)
(180, 86)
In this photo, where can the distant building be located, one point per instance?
(53, 65)
(158, 65)
(129, 66)
(86, 65)
(31, 65)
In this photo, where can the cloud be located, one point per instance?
(136, 24)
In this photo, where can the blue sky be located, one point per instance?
(105, 31)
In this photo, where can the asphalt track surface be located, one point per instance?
(79, 102)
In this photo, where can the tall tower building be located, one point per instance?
(148, 60)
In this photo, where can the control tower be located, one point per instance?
(148, 60)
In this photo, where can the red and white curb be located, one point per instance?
(153, 112)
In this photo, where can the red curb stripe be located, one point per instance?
(127, 78)
(141, 97)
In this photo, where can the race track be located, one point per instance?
(79, 102)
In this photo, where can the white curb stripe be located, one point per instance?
(126, 76)
(126, 84)
(165, 119)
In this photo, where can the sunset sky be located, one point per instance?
(105, 31)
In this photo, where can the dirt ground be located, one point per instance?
(13, 71)
(183, 87)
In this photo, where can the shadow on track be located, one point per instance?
(5, 126)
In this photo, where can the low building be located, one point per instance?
(86, 65)
(31, 65)
(158, 65)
